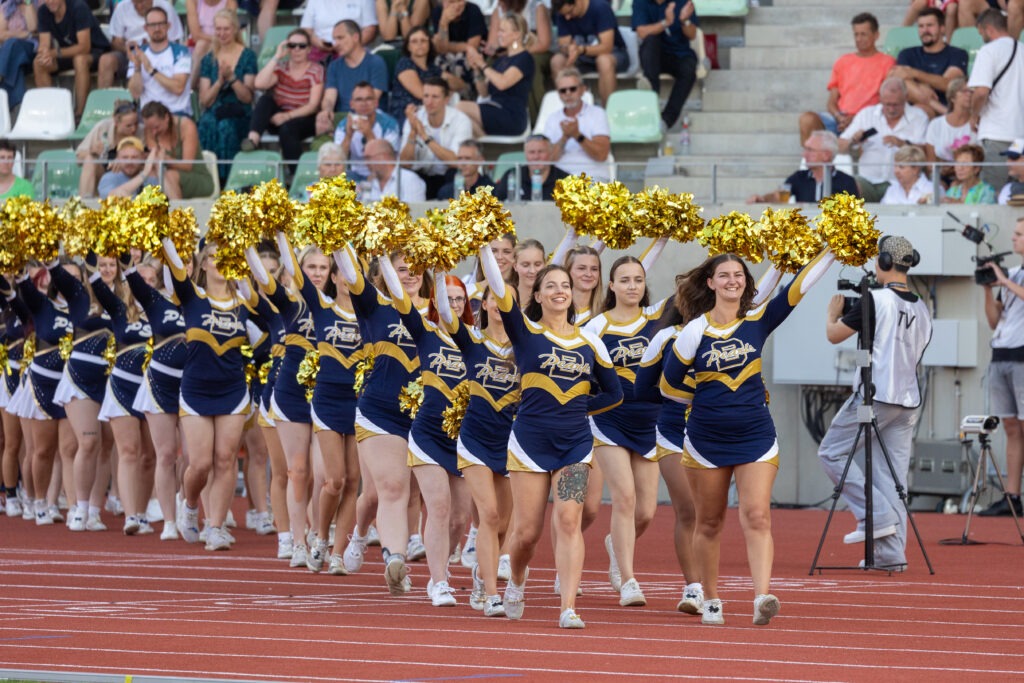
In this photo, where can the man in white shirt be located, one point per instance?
(894, 124)
(580, 132)
(431, 135)
(160, 70)
(997, 84)
(364, 123)
(387, 179)
(128, 25)
(1013, 191)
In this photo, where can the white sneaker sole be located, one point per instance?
(767, 609)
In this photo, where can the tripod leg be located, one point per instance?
(1013, 510)
(976, 489)
(836, 491)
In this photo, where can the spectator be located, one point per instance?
(1012, 192)
(330, 160)
(928, 68)
(388, 179)
(431, 135)
(128, 25)
(354, 64)
(580, 130)
(413, 69)
(293, 87)
(159, 71)
(18, 25)
(458, 26)
(265, 12)
(131, 170)
(946, 133)
(538, 162)
(895, 125)
(808, 185)
(365, 123)
(970, 12)
(665, 48)
(856, 78)
(227, 88)
(10, 184)
(397, 18)
(470, 157)
(99, 147)
(538, 19)
(505, 84)
(589, 39)
(947, 7)
(997, 86)
(969, 187)
(69, 38)
(200, 15)
(176, 141)
(321, 16)
(911, 185)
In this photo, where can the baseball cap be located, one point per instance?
(131, 142)
(1016, 150)
(899, 248)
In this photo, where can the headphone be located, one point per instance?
(885, 261)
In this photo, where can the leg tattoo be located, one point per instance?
(572, 485)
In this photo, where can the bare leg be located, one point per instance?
(754, 485)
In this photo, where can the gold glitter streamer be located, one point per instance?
(655, 212)
(232, 227)
(110, 353)
(272, 208)
(452, 416)
(28, 352)
(363, 370)
(308, 369)
(264, 373)
(383, 227)
(471, 221)
(410, 398)
(183, 231)
(733, 233)
(788, 238)
(848, 229)
(65, 345)
(332, 216)
(149, 355)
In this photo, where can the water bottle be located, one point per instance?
(536, 186)
(512, 188)
(684, 136)
(459, 184)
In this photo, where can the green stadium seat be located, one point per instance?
(898, 38)
(390, 55)
(624, 8)
(306, 173)
(253, 168)
(721, 8)
(967, 38)
(62, 174)
(98, 106)
(634, 116)
(275, 36)
(506, 162)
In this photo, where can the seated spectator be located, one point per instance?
(413, 69)
(200, 16)
(505, 84)
(69, 38)
(538, 162)
(176, 141)
(665, 37)
(321, 16)
(10, 184)
(538, 19)
(910, 184)
(227, 88)
(354, 64)
(388, 179)
(589, 39)
(265, 12)
(470, 157)
(397, 18)
(968, 188)
(808, 185)
(895, 125)
(854, 83)
(949, 9)
(364, 123)
(580, 130)
(99, 147)
(945, 133)
(431, 135)
(928, 68)
(293, 86)
(159, 71)
(971, 10)
(330, 160)
(1012, 192)
(457, 26)
(128, 25)
(18, 25)
(130, 171)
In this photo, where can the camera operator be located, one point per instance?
(1005, 312)
(900, 326)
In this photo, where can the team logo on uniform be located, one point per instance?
(343, 336)
(629, 351)
(223, 323)
(563, 364)
(173, 316)
(306, 328)
(141, 327)
(726, 354)
(496, 375)
(448, 363)
(62, 323)
(399, 335)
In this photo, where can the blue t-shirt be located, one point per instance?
(400, 97)
(934, 62)
(469, 25)
(111, 180)
(515, 97)
(673, 41)
(343, 78)
(585, 30)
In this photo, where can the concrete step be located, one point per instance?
(741, 122)
(809, 36)
(729, 188)
(742, 101)
(781, 57)
(768, 81)
(838, 5)
(728, 166)
(821, 16)
(724, 144)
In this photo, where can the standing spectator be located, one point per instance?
(946, 133)
(930, 67)
(895, 125)
(589, 39)
(538, 162)
(969, 188)
(128, 25)
(159, 71)
(910, 185)
(808, 185)
(397, 18)
(388, 179)
(265, 12)
(971, 10)
(321, 16)
(10, 184)
(948, 7)
(354, 64)
(505, 85)
(997, 85)
(227, 88)
(854, 83)
(413, 69)
(458, 26)
(18, 25)
(293, 88)
(131, 170)
(200, 16)
(364, 123)
(99, 146)
(1013, 191)
(665, 37)
(538, 19)
(431, 135)
(470, 157)
(580, 130)
(69, 38)
(176, 141)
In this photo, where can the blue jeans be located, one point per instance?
(15, 55)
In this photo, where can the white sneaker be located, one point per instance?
(94, 523)
(395, 574)
(354, 552)
(316, 555)
(77, 521)
(692, 601)
(216, 539)
(630, 594)
(478, 597)
(456, 556)
(337, 566)
(205, 532)
(569, 619)
(131, 525)
(188, 523)
(298, 556)
(62, 503)
(469, 551)
(264, 525)
(713, 614)
(250, 519)
(144, 527)
(54, 513)
(558, 587)
(372, 537)
(407, 584)
(614, 575)
(442, 595)
(28, 511)
(857, 535)
(330, 535)
(229, 521)
(284, 548)
(504, 567)
(765, 607)
(113, 505)
(13, 507)
(515, 598)
(494, 606)
(170, 532)
(414, 549)
(42, 514)
(154, 513)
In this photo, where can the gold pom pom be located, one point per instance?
(410, 398)
(733, 233)
(655, 212)
(65, 345)
(33, 232)
(363, 370)
(331, 217)
(264, 373)
(474, 220)
(232, 227)
(149, 355)
(451, 418)
(272, 208)
(183, 231)
(788, 238)
(308, 369)
(848, 229)
(5, 368)
(600, 210)
(28, 352)
(571, 197)
(110, 353)
(383, 228)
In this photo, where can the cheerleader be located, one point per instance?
(503, 249)
(551, 441)
(584, 266)
(730, 430)
(12, 338)
(214, 396)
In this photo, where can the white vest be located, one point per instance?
(902, 331)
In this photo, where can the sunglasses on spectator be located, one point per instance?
(124, 108)
(296, 46)
(568, 89)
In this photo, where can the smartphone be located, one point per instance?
(868, 133)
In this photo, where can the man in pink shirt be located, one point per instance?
(856, 78)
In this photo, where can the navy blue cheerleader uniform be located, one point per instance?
(132, 338)
(49, 323)
(86, 370)
(288, 401)
(671, 426)
(12, 336)
(273, 318)
(264, 332)
(162, 375)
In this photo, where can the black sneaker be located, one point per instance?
(1001, 508)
